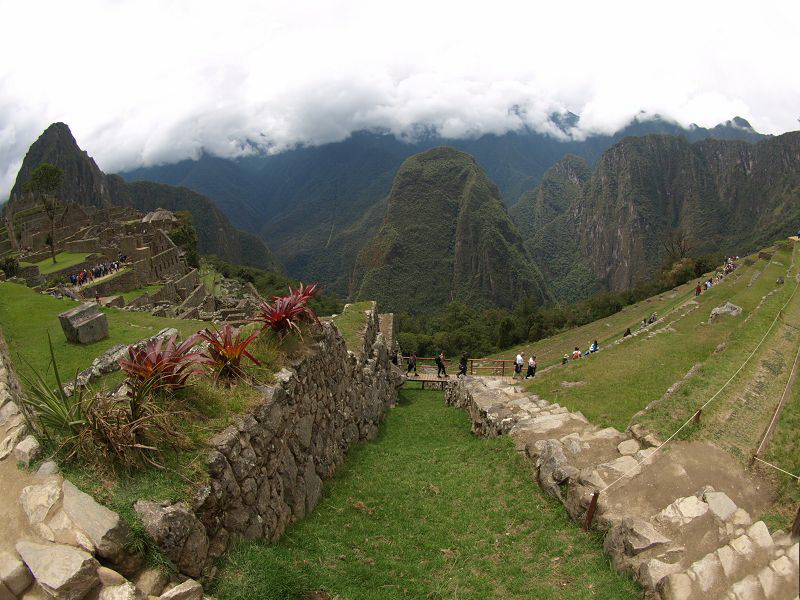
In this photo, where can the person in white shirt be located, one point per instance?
(518, 362)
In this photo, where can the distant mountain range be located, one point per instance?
(315, 206)
(85, 183)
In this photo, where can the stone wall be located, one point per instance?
(267, 470)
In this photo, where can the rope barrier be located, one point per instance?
(697, 412)
(778, 468)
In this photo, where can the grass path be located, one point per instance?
(428, 511)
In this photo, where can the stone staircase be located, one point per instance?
(679, 521)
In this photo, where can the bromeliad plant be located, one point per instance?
(285, 314)
(168, 368)
(225, 352)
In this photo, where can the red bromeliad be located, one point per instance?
(225, 353)
(285, 313)
(167, 368)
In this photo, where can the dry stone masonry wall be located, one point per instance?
(268, 469)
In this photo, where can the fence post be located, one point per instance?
(697, 416)
(796, 525)
(590, 513)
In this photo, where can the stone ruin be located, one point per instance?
(84, 324)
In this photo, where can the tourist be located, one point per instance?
(531, 367)
(576, 354)
(565, 359)
(698, 290)
(644, 324)
(412, 364)
(627, 332)
(440, 365)
(462, 365)
(518, 362)
(594, 347)
(653, 318)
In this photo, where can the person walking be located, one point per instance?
(518, 362)
(698, 290)
(462, 365)
(412, 364)
(531, 367)
(440, 365)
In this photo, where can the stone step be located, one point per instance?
(738, 570)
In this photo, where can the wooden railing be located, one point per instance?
(475, 366)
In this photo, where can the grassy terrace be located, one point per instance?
(139, 292)
(351, 323)
(64, 260)
(428, 511)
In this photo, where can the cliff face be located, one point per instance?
(445, 236)
(84, 183)
(724, 195)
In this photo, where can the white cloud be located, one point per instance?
(143, 82)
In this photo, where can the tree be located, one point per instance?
(677, 245)
(43, 184)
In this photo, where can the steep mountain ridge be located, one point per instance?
(314, 205)
(445, 236)
(85, 183)
(724, 196)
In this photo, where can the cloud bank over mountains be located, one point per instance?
(143, 82)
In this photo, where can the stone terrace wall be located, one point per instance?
(268, 469)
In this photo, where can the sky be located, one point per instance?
(146, 82)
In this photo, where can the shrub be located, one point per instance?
(168, 368)
(285, 314)
(10, 266)
(225, 352)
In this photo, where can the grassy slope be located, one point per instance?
(63, 260)
(351, 323)
(623, 379)
(26, 317)
(139, 292)
(428, 511)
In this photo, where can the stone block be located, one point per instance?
(652, 571)
(151, 582)
(64, 572)
(628, 447)
(84, 324)
(188, 590)
(14, 574)
(47, 468)
(27, 450)
(107, 531)
(720, 504)
(38, 500)
(124, 591)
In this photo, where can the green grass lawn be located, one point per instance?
(63, 261)
(26, 317)
(139, 292)
(428, 511)
(351, 324)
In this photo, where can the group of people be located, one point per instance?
(441, 364)
(577, 354)
(519, 363)
(89, 275)
(726, 269)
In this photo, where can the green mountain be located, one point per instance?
(612, 227)
(315, 205)
(85, 183)
(445, 236)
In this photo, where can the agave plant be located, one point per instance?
(167, 367)
(225, 352)
(52, 410)
(285, 313)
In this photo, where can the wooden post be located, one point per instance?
(590, 513)
(796, 525)
(697, 416)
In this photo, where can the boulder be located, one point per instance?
(652, 571)
(27, 451)
(726, 309)
(188, 590)
(124, 591)
(84, 324)
(107, 531)
(719, 504)
(683, 511)
(177, 532)
(14, 574)
(109, 577)
(47, 468)
(628, 447)
(64, 572)
(151, 582)
(38, 500)
(633, 537)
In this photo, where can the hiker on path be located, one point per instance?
(531, 367)
(518, 362)
(412, 364)
(644, 324)
(440, 365)
(627, 332)
(698, 290)
(576, 354)
(565, 359)
(462, 365)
